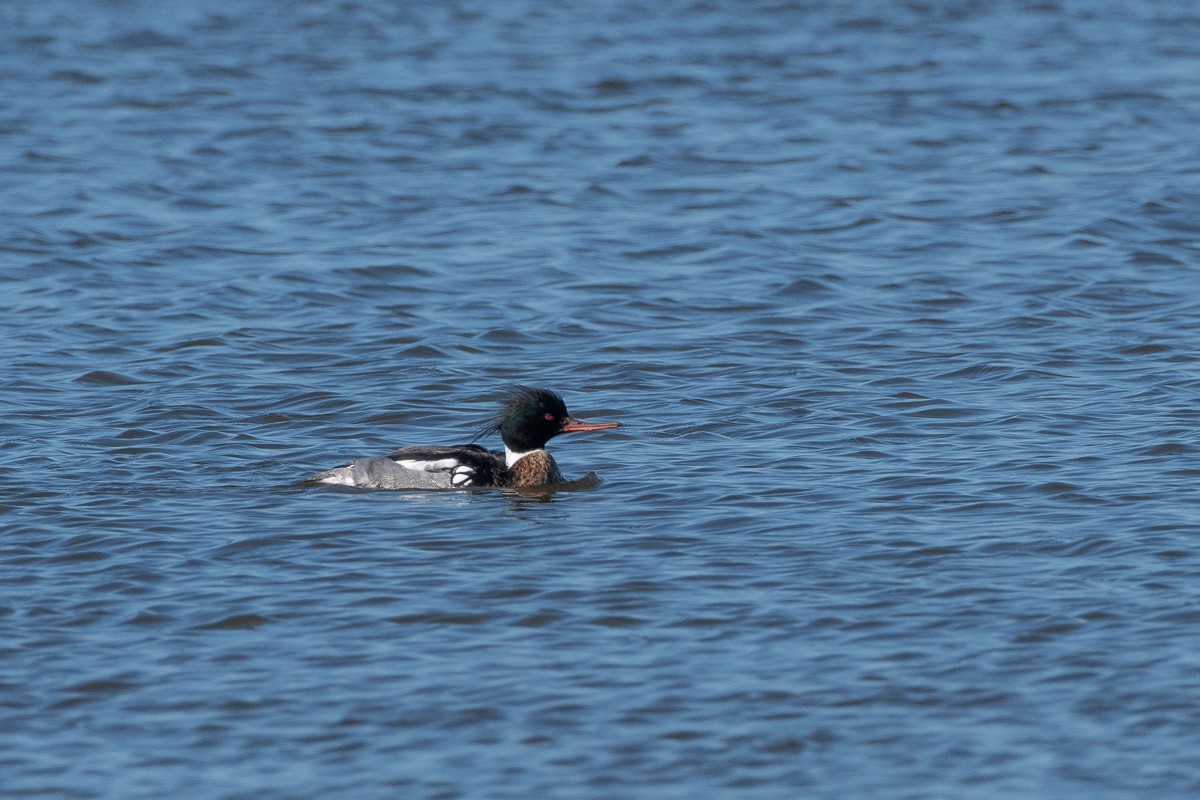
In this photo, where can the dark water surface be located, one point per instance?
(898, 304)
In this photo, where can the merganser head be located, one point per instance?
(531, 417)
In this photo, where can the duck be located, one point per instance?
(527, 420)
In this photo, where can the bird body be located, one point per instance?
(528, 419)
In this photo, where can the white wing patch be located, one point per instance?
(462, 475)
(440, 465)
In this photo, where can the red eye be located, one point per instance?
(548, 417)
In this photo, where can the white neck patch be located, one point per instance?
(512, 456)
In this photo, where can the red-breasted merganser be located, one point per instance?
(527, 420)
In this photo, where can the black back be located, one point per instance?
(488, 466)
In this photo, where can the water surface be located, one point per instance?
(897, 306)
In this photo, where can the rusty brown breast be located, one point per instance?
(534, 469)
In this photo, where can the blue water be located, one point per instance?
(897, 304)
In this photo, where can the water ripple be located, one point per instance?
(902, 347)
